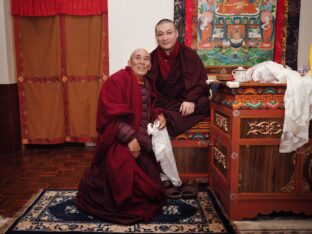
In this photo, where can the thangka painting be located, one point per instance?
(236, 32)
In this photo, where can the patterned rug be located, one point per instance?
(54, 212)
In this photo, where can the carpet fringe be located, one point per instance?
(289, 224)
(11, 220)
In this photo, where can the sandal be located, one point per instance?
(171, 191)
(189, 190)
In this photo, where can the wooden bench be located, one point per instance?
(192, 150)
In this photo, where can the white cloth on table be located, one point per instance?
(298, 111)
(266, 72)
(163, 152)
(298, 101)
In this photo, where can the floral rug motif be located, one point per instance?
(54, 212)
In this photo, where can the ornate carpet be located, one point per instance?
(54, 212)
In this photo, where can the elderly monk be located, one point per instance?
(180, 80)
(123, 182)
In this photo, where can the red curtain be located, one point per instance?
(56, 7)
(61, 62)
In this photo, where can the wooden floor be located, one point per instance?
(39, 167)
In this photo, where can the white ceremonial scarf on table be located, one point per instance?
(298, 101)
(298, 111)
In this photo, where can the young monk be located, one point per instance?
(123, 182)
(180, 80)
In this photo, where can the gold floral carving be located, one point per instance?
(222, 122)
(220, 157)
(264, 128)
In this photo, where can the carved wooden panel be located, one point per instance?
(261, 128)
(220, 157)
(263, 169)
(222, 122)
(251, 97)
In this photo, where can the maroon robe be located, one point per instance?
(186, 81)
(115, 188)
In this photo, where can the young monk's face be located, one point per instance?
(166, 36)
(140, 62)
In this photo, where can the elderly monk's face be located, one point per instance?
(140, 62)
(166, 36)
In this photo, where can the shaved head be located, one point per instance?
(165, 21)
(140, 62)
(139, 51)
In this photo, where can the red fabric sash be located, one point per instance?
(166, 61)
(56, 7)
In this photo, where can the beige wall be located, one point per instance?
(131, 25)
(305, 33)
(7, 66)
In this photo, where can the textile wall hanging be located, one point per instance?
(61, 60)
(292, 33)
(179, 18)
(237, 32)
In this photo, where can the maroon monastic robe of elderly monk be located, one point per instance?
(117, 187)
(180, 76)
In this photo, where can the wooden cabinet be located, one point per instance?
(191, 149)
(248, 174)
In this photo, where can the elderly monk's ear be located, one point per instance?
(129, 63)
